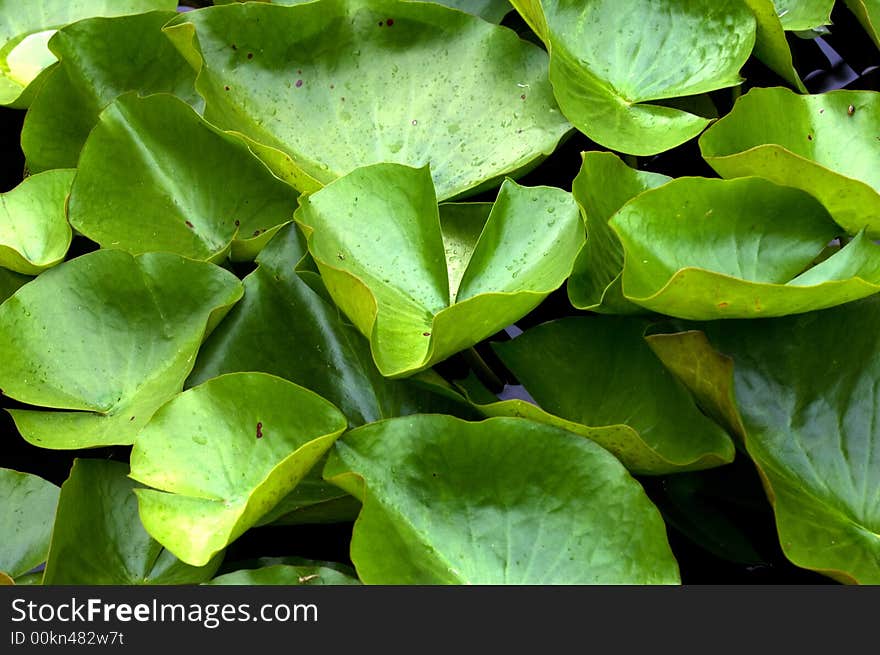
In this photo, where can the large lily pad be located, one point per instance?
(283, 327)
(26, 27)
(703, 248)
(407, 82)
(599, 374)
(377, 239)
(614, 63)
(100, 59)
(26, 517)
(806, 390)
(556, 509)
(283, 574)
(825, 144)
(603, 185)
(868, 13)
(138, 187)
(99, 540)
(223, 454)
(109, 338)
(34, 233)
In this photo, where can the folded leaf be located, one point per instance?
(26, 517)
(220, 456)
(868, 13)
(408, 82)
(109, 336)
(377, 239)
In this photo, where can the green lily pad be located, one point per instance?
(771, 45)
(701, 249)
(603, 185)
(25, 30)
(34, 234)
(407, 82)
(805, 387)
(868, 13)
(490, 10)
(598, 373)
(802, 15)
(138, 187)
(403, 301)
(556, 509)
(281, 574)
(825, 144)
(26, 517)
(109, 336)
(11, 282)
(223, 454)
(98, 537)
(100, 59)
(283, 327)
(614, 62)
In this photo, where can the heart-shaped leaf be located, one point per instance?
(109, 336)
(99, 540)
(283, 327)
(221, 455)
(868, 13)
(825, 144)
(556, 509)
(377, 238)
(603, 185)
(281, 574)
(599, 374)
(139, 189)
(614, 63)
(34, 233)
(407, 82)
(26, 517)
(101, 59)
(806, 390)
(701, 248)
(26, 27)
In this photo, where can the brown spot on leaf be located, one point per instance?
(189, 225)
(259, 430)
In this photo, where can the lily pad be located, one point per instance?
(26, 517)
(98, 537)
(599, 374)
(25, 29)
(100, 59)
(868, 13)
(556, 509)
(407, 82)
(613, 63)
(282, 574)
(825, 144)
(403, 302)
(283, 327)
(771, 45)
(603, 185)
(808, 406)
(221, 455)
(109, 338)
(490, 10)
(139, 189)
(802, 15)
(34, 234)
(701, 249)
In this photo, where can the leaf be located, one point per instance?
(223, 454)
(403, 302)
(139, 188)
(100, 59)
(814, 143)
(98, 537)
(601, 375)
(11, 282)
(609, 69)
(603, 185)
(283, 327)
(34, 234)
(805, 388)
(702, 249)
(490, 10)
(108, 337)
(26, 516)
(868, 13)
(281, 574)
(431, 86)
(798, 15)
(771, 46)
(556, 509)
(25, 29)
